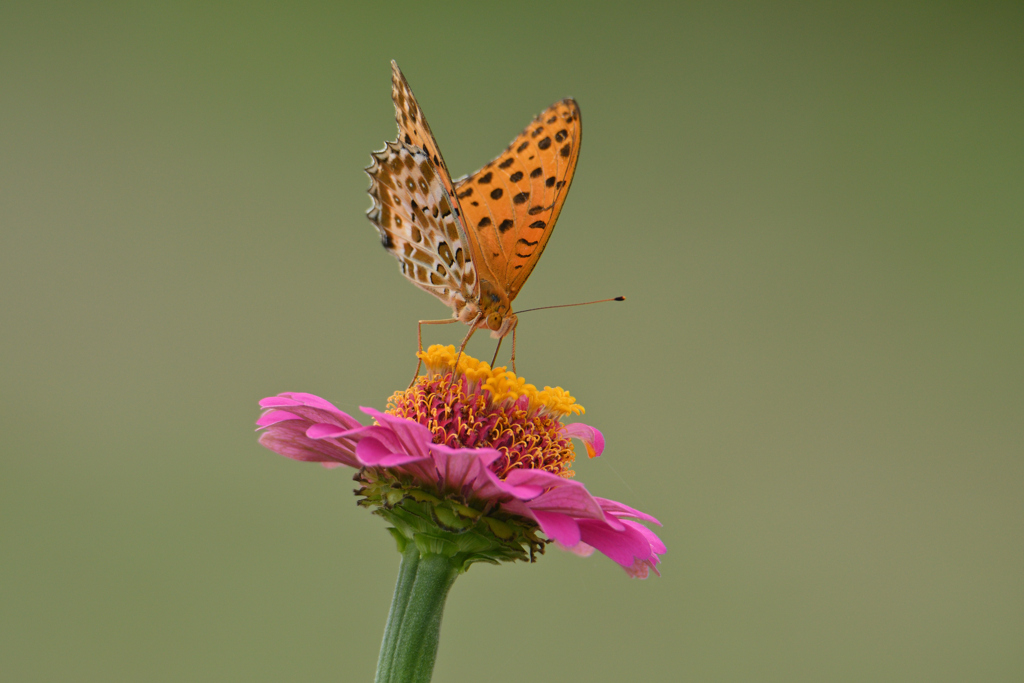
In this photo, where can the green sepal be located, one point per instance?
(400, 540)
(422, 496)
(499, 528)
(447, 527)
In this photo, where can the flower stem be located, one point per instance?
(413, 630)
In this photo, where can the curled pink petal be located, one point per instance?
(620, 510)
(590, 436)
(280, 401)
(289, 439)
(322, 430)
(312, 408)
(274, 416)
(302, 399)
(624, 547)
(571, 500)
(373, 452)
(656, 543)
(489, 486)
(414, 437)
(538, 478)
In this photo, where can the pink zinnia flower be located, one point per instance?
(471, 467)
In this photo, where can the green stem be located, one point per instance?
(413, 630)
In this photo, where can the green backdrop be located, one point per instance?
(815, 211)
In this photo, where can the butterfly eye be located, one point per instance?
(494, 321)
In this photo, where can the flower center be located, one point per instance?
(490, 408)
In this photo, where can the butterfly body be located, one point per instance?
(474, 241)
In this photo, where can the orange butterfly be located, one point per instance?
(472, 242)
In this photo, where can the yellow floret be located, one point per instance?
(499, 382)
(558, 400)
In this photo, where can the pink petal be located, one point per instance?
(323, 430)
(274, 416)
(421, 469)
(288, 438)
(571, 500)
(622, 510)
(460, 467)
(541, 478)
(557, 527)
(312, 408)
(504, 487)
(561, 495)
(298, 398)
(656, 543)
(590, 436)
(414, 437)
(624, 547)
(374, 452)
(489, 487)
(581, 549)
(279, 401)
(641, 568)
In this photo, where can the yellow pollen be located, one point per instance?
(501, 383)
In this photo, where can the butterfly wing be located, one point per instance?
(414, 215)
(413, 128)
(510, 206)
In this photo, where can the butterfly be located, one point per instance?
(472, 242)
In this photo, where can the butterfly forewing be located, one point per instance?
(510, 205)
(413, 213)
(413, 128)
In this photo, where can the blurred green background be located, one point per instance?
(816, 213)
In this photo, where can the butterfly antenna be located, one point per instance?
(585, 303)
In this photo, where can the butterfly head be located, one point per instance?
(496, 310)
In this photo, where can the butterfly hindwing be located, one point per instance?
(413, 213)
(510, 205)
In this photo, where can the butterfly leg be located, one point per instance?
(514, 326)
(419, 343)
(462, 347)
(496, 349)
